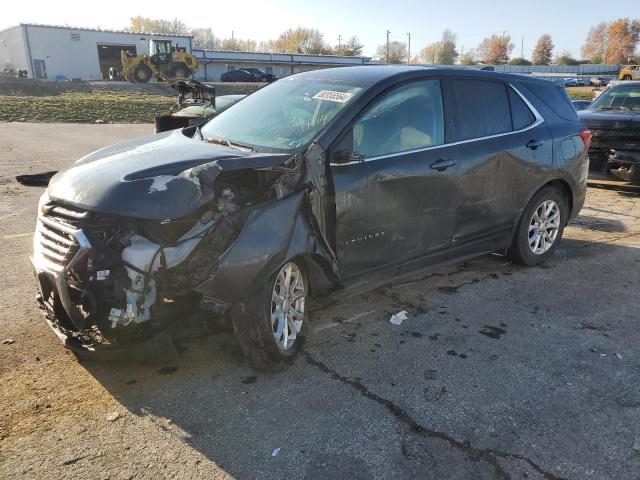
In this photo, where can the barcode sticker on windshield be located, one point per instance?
(332, 96)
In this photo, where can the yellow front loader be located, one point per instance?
(164, 61)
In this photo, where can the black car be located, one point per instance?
(246, 75)
(614, 120)
(331, 181)
(580, 104)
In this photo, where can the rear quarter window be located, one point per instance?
(521, 115)
(554, 97)
(479, 109)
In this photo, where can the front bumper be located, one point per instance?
(622, 165)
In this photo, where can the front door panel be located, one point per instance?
(392, 209)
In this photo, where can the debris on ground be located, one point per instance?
(636, 445)
(36, 180)
(398, 318)
(113, 416)
(619, 356)
(275, 452)
(8, 341)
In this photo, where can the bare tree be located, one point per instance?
(443, 52)
(397, 52)
(595, 45)
(495, 49)
(543, 51)
(429, 54)
(152, 25)
(205, 39)
(352, 47)
(300, 40)
(238, 45)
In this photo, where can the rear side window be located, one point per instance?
(521, 115)
(554, 97)
(480, 109)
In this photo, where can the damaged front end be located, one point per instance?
(108, 280)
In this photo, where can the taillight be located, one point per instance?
(585, 135)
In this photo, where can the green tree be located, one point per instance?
(519, 61)
(543, 51)
(566, 58)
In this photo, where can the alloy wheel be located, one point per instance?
(544, 227)
(287, 305)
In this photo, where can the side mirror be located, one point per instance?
(343, 150)
(345, 156)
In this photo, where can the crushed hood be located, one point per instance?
(154, 177)
(609, 119)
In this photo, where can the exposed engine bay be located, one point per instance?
(108, 279)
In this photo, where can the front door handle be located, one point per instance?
(442, 165)
(533, 144)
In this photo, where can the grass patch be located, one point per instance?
(580, 93)
(83, 107)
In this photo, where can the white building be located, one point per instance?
(57, 52)
(48, 51)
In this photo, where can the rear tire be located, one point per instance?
(141, 74)
(179, 72)
(540, 228)
(634, 175)
(627, 77)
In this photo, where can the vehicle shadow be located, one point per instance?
(599, 224)
(327, 423)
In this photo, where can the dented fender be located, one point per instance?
(271, 235)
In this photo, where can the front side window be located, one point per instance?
(480, 108)
(409, 117)
(284, 116)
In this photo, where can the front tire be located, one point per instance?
(274, 325)
(540, 229)
(142, 74)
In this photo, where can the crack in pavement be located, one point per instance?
(474, 453)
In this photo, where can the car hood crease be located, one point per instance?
(154, 177)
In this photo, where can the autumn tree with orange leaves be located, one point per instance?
(613, 42)
(495, 49)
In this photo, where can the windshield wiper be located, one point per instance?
(227, 143)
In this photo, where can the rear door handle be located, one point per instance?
(442, 165)
(533, 144)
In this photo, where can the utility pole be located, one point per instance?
(340, 45)
(233, 41)
(409, 49)
(388, 32)
(522, 49)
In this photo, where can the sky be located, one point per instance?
(566, 21)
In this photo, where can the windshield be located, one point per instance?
(283, 116)
(618, 98)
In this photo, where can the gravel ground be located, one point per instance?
(499, 372)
